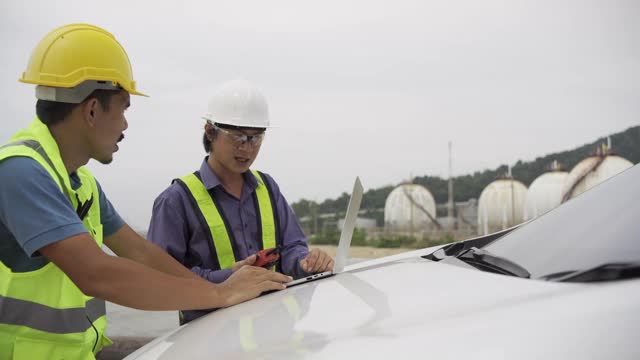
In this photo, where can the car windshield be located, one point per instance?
(598, 227)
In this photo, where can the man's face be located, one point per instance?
(109, 127)
(230, 151)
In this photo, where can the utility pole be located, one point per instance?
(314, 215)
(450, 202)
(410, 206)
(513, 199)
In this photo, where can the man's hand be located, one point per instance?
(249, 260)
(250, 281)
(317, 261)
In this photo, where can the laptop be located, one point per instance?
(345, 237)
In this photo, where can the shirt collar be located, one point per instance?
(211, 180)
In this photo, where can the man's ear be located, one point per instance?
(209, 130)
(89, 110)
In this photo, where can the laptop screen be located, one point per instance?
(342, 254)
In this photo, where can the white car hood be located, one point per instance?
(418, 308)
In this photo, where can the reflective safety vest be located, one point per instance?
(43, 314)
(220, 237)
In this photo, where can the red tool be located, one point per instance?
(268, 257)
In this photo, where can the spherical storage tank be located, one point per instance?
(403, 209)
(500, 205)
(591, 172)
(544, 194)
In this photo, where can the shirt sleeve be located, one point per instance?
(294, 242)
(170, 231)
(214, 276)
(109, 217)
(32, 206)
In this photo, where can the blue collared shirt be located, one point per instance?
(175, 226)
(35, 213)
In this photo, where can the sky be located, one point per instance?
(369, 88)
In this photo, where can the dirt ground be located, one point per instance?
(362, 252)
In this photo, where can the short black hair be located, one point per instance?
(52, 112)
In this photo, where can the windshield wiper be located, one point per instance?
(604, 272)
(484, 260)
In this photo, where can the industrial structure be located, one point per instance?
(410, 207)
(592, 171)
(501, 204)
(545, 192)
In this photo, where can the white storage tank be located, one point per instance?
(405, 208)
(545, 192)
(592, 171)
(501, 205)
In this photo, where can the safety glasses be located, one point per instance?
(241, 139)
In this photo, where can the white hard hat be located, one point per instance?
(238, 103)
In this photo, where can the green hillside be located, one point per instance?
(625, 144)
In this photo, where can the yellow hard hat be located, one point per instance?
(72, 54)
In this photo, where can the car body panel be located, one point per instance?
(416, 306)
(411, 305)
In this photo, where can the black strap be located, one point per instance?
(256, 206)
(83, 207)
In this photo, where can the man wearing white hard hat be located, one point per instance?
(216, 219)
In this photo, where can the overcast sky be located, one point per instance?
(370, 88)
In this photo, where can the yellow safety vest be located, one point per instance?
(43, 314)
(207, 208)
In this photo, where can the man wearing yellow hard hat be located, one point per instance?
(54, 216)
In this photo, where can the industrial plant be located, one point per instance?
(412, 215)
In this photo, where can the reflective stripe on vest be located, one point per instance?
(44, 306)
(45, 318)
(214, 217)
(266, 213)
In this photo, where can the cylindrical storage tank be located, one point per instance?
(544, 194)
(501, 205)
(591, 172)
(404, 208)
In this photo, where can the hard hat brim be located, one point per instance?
(52, 84)
(238, 124)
